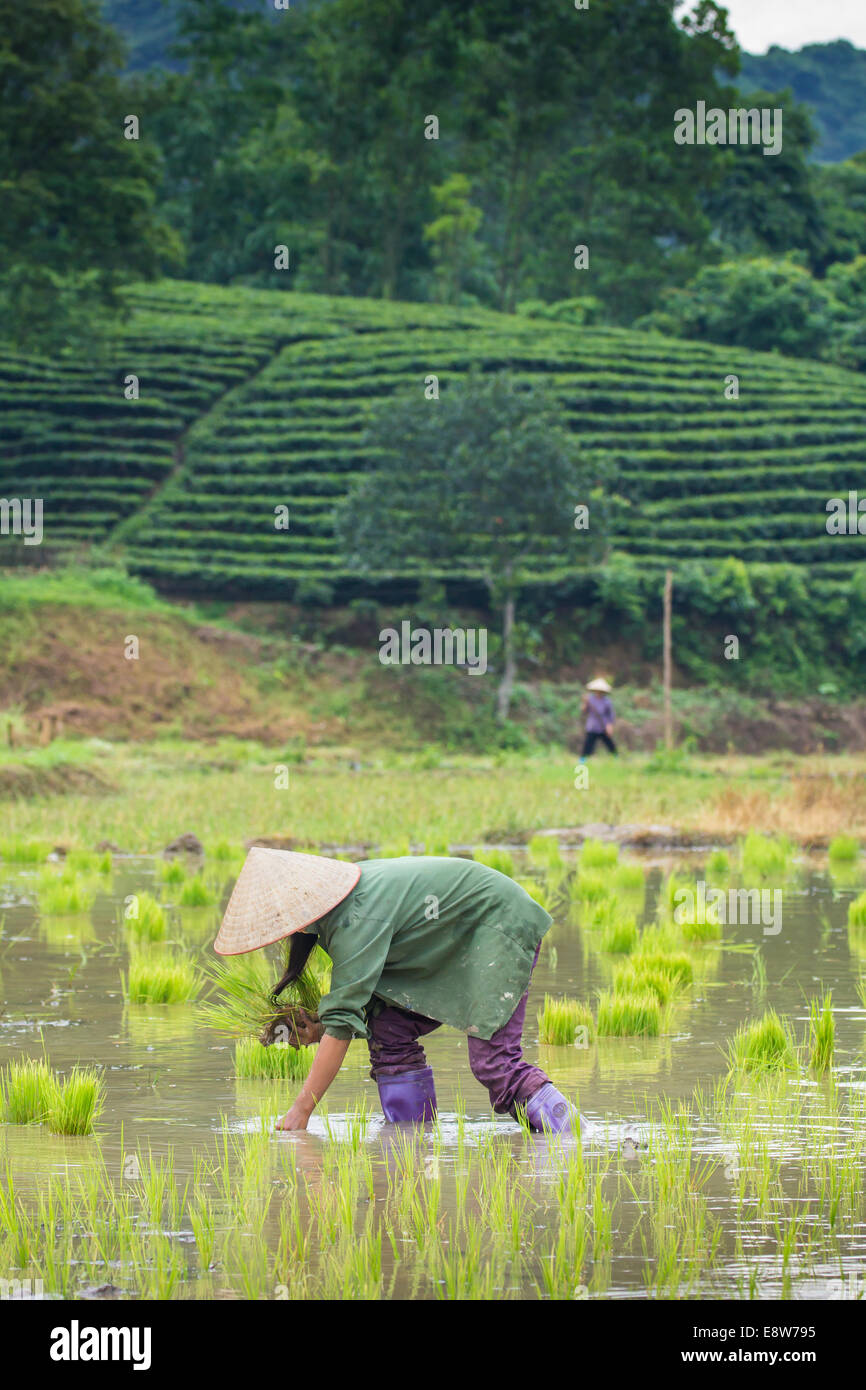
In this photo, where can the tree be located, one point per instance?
(77, 215)
(761, 303)
(487, 478)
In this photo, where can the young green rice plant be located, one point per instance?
(65, 894)
(636, 976)
(89, 861)
(629, 879)
(544, 852)
(561, 1022)
(822, 1033)
(598, 914)
(196, 893)
(766, 1045)
(146, 918)
(701, 927)
(857, 912)
(27, 1091)
(595, 854)
(223, 851)
(280, 1062)
(695, 919)
(765, 856)
(619, 936)
(651, 957)
(537, 891)
(77, 1102)
(437, 845)
(590, 886)
(164, 978)
(243, 1003)
(16, 850)
(500, 859)
(718, 864)
(629, 1015)
(844, 849)
(172, 871)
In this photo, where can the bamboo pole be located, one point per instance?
(666, 638)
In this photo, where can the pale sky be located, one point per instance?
(792, 23)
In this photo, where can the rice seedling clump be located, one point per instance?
(765, 856)
(843, 849)
(89, 861)
(636, 976)
(719, 863)
(822, 1033)
(26, 1091)
(500, 859)
(590, 887)
(544, 852)
(762, 1046)
(77, 1102)
(146, 918)
(595, 854)
(629, 1015)
(161, 979)
(196, 893)
(537, 891)
(562, 1021)
(629, 879)
(619, 936)
(281, 1062)
(65, 894)
(857, 912)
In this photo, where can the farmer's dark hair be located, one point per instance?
(300, 948)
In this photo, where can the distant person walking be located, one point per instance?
(598, 711)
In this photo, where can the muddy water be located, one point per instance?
(169, 1082)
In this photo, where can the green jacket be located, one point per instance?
(447, 938)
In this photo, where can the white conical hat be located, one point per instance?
(599, 684)
(277, 893)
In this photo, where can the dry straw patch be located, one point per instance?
(810, 808)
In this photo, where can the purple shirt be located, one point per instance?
(599, 713)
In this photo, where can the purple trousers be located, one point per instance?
(497, 1062)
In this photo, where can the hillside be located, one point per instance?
(830, 78)
(251, 399)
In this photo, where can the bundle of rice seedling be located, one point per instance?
(243, 1002)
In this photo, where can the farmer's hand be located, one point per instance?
(294, 1026)
(298, 1117)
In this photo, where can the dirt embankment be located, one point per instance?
(66, 671)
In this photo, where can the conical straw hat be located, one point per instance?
(277, 893)
(599, 685)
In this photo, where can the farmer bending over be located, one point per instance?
(414, 943)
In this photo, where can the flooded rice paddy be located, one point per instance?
(690, 1181)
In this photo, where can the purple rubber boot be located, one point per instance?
(410, 1095)
(548, 1109)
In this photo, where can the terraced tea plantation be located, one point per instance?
(251, 399)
